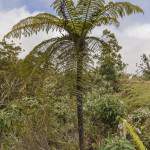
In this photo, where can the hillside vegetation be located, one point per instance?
(136, 94)
(67, 94)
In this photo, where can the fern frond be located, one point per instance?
(94, 44)
(32, 25)
(124, 8)
(114, 10)
(65, 9)
(43, 46)
(57, 51)
(87, 8)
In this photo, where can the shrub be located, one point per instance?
(110, 108)
(140, 115)
(117, 143)
(35, 123)
(101, 113)
(105, 108)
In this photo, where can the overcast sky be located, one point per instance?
(133, 34)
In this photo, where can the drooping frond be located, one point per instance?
(100, 12)
(62, 53)
(94, 44)
(65, 57)
(31, 25)
(43, 46)
(123, 8)
(41, 53)
(111, 12)
(58, 51)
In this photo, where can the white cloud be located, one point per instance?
(135, 41)
(10, 18)
(141, 31)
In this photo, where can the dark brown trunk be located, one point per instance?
(79, 97)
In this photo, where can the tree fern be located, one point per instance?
(73, 51)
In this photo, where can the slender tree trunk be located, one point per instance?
(79, 97)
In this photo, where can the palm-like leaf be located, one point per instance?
(87, 8)
(58, 51)
(31, 25)
(98, 12)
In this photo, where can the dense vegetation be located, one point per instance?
(70, 92)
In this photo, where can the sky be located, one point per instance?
(133, 33)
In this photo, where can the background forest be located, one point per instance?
(71, 92)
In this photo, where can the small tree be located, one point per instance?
(8, 55)
(110, 61)
(8, 66)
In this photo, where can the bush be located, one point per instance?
(140, 115)
(105, 108)
(101, 111)
(110, 108)
(35, 123)
(117, 143)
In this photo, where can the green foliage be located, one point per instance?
(34, 123)
(9, 81)
(105, 108)
(117, 143)
(136, 94)
(140, 115)
(8, 55)
(146, 139)
(110, 61)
